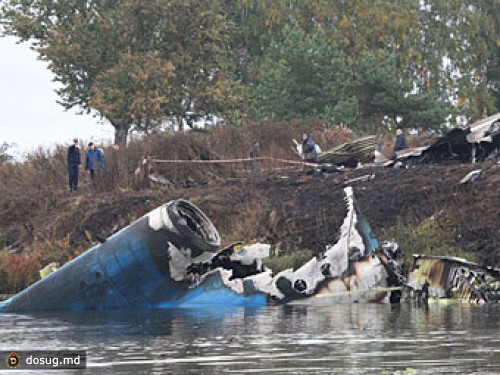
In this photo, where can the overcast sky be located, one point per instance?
(29, 114)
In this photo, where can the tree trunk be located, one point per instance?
(121, 135)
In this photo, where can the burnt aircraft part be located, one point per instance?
(452, 147)
(345, 267)
(230, 259)
(478, 142)
(449, 277)
(133, 268)
(391, 257)
(367, 282)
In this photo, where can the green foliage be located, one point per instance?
(385, 96)
(491, 33)
(294, 260)
(301, 77)
(447, 50)
(134, 62)
(305, 77)
(134, 91)
(359, 63)
(347, 111)
(430, 237)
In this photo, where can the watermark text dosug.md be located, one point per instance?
(44, 360)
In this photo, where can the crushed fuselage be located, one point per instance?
(450, 277)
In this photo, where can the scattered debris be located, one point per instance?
(380, 158)
(450, 277)
(471, 176)
(15, 248)
(329, 168)
(400, 165)
(361, 150)
(365, 177)
(169, 258)
(348, 271)
(157, 179)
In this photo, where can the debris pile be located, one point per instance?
(476, 143)
(450, 277)
(361, 150)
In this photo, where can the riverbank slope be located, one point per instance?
(424, 208)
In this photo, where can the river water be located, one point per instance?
(341, 339)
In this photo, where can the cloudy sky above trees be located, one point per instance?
(31, 117)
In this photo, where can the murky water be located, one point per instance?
(342, 339)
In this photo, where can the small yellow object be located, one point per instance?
(48, 269)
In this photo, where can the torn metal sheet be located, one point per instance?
(450, 277)
(471, 176)
(347, 271)
(170, 258)
(484, 130)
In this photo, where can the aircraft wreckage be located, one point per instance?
(169, 258)
(479, 142)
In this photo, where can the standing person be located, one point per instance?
(74, 162)
(94, 160)
(400, 142)
(253, 153)
(309, 149)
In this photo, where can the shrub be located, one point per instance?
(17, 272)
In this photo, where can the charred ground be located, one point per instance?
(297, 210)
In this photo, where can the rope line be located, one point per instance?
(225, 161)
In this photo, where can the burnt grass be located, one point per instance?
(298, 210)
(292, 209)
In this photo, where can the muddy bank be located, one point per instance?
(293, 209)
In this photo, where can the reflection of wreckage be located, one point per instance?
(169, 258)
(478, 142)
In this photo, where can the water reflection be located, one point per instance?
(344, 339)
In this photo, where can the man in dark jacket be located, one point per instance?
(253, 153)
(400, 143)
(94, 160)
(309, 149)
(74, 162)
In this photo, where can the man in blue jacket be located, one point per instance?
(309, 149)
(74, 162)
(94, 160)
